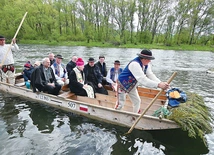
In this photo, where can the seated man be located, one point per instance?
(52, 59)
(94, 77)
(113, 74)
(43, 78)
(77, 83)
(60, 71)
(71, 64)
(103, 69)
(37, 63)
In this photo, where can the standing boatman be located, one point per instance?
(137, 72)
(7, 71)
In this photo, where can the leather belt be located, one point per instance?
(10, 67)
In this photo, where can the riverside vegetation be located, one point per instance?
(154, 24)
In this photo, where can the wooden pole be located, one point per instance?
(147, 108)
(17, 31)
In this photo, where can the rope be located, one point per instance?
(162, 112)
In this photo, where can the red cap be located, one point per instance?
(28, 65)
(79, 62)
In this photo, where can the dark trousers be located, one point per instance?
(96, 89)
(101, 90)
(82, 93)
(50, 89)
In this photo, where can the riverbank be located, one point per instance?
(117, 45)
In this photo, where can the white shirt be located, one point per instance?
(61, 69)
(4, 50)
(149, 79)
(108, 77)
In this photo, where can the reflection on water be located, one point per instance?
(32, 128)
(42, 118)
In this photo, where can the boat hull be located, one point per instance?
(90, 110)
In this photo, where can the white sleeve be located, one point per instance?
(142, 79)
(56, 76)
(108, 79)
(151, 75)
(15, 48)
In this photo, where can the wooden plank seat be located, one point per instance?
(151, 93)
(67, 95)
(65, 87)
(20, 84)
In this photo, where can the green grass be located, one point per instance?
(109, 45)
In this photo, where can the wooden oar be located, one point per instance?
(147, 108)
(12, 39)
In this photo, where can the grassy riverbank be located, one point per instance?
(111, 45)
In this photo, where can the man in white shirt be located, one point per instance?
(113, 74)
(7, 61)
(137, 72)
(60, 71)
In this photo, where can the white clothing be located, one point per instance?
(108, 77)
(148, 80)
(60, 76)
(9, 58)
(9, 76)
(61, 69)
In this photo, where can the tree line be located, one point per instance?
(165, 22)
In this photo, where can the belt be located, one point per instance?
(8, 66)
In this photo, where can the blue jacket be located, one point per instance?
(27, 73)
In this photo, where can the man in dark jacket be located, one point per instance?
(71, 64)
(43, 79)
(103, 69)
(94, 77)
(51, 58)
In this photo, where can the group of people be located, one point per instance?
(84, 79)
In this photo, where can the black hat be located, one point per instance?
(58, 56)
(117, 62)
(146, 54)
(2, 37)
(91, 60)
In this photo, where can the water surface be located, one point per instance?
(32, 128)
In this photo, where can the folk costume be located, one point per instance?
(135, 74)
(113, 74)
(8, 70)
(60, 71)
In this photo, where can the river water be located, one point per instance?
(32, 128)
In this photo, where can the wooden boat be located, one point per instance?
(101, 108)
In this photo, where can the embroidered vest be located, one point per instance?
(112, 73)
(126, 79)
(57, 69)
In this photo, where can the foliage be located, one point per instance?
(193, 116)
(113, 21)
